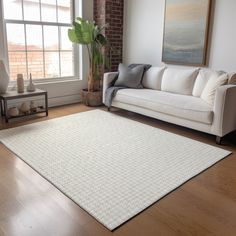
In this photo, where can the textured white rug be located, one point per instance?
(111, 166)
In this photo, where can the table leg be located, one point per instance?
(46, 103)
(5, 111)
(2, 112)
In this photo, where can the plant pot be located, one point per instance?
(92, 99)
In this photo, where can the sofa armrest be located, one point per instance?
(225, 110)
(107, 81)
(232, 78)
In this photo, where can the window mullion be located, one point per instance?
(59, 40)
(56, 11)
(73, 10)
(44, 63)
(22, 8)
(40, 10)
(26, 54)
(59, 49)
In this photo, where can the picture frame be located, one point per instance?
(186, 32)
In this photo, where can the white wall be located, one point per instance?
(61, 93)
(223, 44)
(143, 33)
(143, 29)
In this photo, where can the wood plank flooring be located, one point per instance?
(206, 205)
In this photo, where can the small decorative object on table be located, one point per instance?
(4, 78)
(20, 83)
(13, 111)
(25, 108)
(33, 107)
(31, 86)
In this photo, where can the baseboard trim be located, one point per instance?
(65, 100)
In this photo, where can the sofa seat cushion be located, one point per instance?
(187, 107)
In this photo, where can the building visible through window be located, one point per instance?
(37, 40)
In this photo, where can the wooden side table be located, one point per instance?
(12, 95)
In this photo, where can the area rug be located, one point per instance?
(112, 167)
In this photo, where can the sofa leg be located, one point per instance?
(108, 109)
(218, 140)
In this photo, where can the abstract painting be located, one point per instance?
(186, 31)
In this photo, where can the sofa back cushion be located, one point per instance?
(153, 77)
(203, 76)
(179, 80)
(215, 81)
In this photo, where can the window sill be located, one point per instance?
(12, 85)
(56, 81)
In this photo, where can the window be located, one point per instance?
(37, 41)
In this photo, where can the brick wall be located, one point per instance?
(111, 12)
(17, 62)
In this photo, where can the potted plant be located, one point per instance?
(89, 34)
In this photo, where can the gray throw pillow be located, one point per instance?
(146, 66)
(130, 77)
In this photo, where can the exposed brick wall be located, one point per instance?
(111, 12)
(17, 62)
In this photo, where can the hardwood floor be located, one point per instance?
(206, 205)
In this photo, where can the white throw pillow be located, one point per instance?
(180, 81)
(201, 81)
(208, 94)
(153, 77)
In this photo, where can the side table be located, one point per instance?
(12, 95)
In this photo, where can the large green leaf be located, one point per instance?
(78, 33)
(82, 35)
(72, 36)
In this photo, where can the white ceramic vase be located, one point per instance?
(4, 78)
(31, 87)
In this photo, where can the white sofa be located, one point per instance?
(175, 95)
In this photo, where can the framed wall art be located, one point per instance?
(186, 30)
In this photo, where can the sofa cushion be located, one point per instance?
(153, 77)
(187, 107)
(146, 66)
(178, 80)
(130, 77)
(203, 76)
(208, 94)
